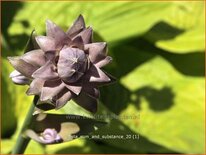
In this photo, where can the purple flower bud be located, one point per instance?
(72, 64)
(67, 66)
(49, 136)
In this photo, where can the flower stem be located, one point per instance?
(22, 141)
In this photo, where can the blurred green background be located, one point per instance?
(158, 51)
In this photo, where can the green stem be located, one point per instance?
(22, 141)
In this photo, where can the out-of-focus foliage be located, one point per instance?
(158, 51)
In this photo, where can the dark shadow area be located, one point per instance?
(15, 42)
(115, 97)
(8, 12)
(25, 23)
(130, 53)
(191, 64)
(162, 31)
(158, 100)
(127, 57)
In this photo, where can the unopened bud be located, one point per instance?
(18, 78)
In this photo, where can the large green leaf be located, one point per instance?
(171, 106)
(113, 20)
(186, 14)
(6, 146)
(166, 89)
(185, 32)
(191, 41)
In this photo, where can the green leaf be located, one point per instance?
(185, 14)
(171, 106)
(191, 41)
(112, 20)
(183, 31)
(34, 148)
(76, 146)
(6, 146)
(166, 89)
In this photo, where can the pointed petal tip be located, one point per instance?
(104, 62)
(12, 59)
(39, 38)
(48, 21)
(112, 79)
(97, 75)
(80, 17)
(89, 28)
(104, 44)
(45, 43)
(86, 35)
(35, 87)
(77, 26)
(109, 58)
(22, 66)
(28, 92)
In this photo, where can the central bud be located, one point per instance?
(72, 64)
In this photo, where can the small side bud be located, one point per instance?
(50, 136)
(18, 78)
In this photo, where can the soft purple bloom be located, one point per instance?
(49, 136)
(67, 66)
(18, 78)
